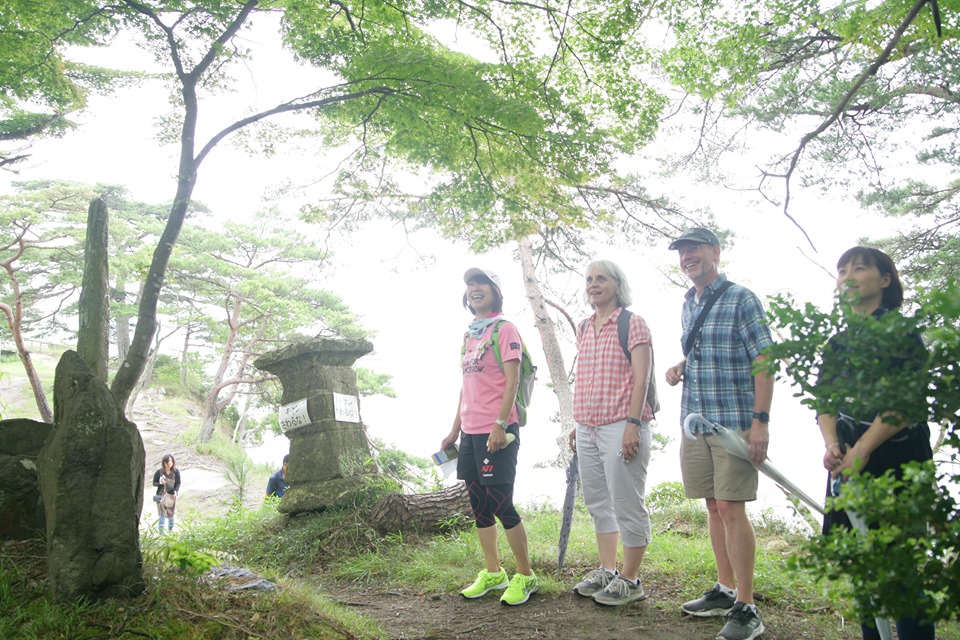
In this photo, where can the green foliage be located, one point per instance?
(908, 562)
(668, 500)
(238, 472)
(176, 605)
(173, 551)
(785, 68)
(666, 495)
(169, 372)
(371, 383)
(414, 473)
(907, 565)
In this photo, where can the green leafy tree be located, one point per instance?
(41, 236)
(42, 87)
(508, 140)
(851, 90)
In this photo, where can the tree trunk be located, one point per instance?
(426, 512)
(187, 334)
(551, 347)
(43, 405)
(241, 427)
(145, 378)
(93, 339)
(121, 323)
(14, 316)
(210, 407)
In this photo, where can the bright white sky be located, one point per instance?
(409, 289)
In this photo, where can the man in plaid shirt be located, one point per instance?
(719, 383)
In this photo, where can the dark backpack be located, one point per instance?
(623, 333)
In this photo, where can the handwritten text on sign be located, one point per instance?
(294, 415)
(346, 408)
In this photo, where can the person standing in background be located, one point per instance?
(883, 438)
(167, 481)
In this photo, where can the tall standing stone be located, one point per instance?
(91, 480)
(330, 458)
(93, 339)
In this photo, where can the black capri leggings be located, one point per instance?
(492, 500)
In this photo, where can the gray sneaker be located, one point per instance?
(593, 582)
(619, 592)
(743, 623)
(713, 603)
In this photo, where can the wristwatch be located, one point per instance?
(502, 424)
(635, 421)
(762, 416)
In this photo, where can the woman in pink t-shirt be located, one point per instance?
(489, 433)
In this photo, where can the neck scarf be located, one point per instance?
(477, 327)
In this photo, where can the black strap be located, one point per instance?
(623, 332)
(708, 303)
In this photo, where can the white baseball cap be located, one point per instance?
(483, 274)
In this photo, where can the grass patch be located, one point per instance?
(336, 547)
(175, 607)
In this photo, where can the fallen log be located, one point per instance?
(425, 512)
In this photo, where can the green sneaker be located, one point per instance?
(520, 589)
(485, 583)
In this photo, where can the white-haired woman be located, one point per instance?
(613, 438)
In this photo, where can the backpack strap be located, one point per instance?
(623, 332)
(495, 340)
(698, 324)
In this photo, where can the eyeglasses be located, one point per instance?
(689, 248)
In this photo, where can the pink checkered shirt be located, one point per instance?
(604, 379)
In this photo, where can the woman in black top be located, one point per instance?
(879, 438)
(167, 481)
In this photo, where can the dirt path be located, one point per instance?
(409, 615)
(204, 487)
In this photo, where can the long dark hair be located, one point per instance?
(163, 462)
(893, 293)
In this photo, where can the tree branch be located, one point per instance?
(842, 107)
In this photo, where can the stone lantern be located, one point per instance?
(330, 458)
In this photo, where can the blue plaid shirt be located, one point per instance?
(718, 376)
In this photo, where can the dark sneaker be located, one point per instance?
(619, 592)
(743, 623)
(713, 603)
(593, 582)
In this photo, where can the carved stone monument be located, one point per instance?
(330, 458)
(91, 480)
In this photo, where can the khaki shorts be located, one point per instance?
(710, 471)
